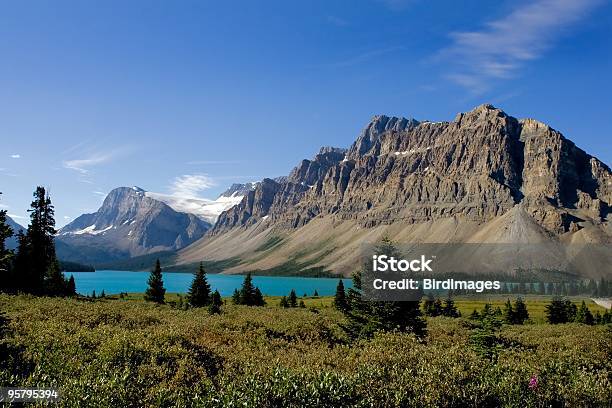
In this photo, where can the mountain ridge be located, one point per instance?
(401, 174)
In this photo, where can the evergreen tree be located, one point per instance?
(259, 299)
(55, 284)
(520, 311)
(302, 304)
(40, 236)
(156, 291)
(247, 292)
(560, 310)
(199, 291)
(597, 317)
(367, 317)
(103, 294)
(484, 337)
(236, 297)
(215, 303)
(509, 317)
(450, 310)
(315, 294)
(340, 297)
(292, 299)
(474, 315)
(583, 315)
(71, 288)
(93, 294)
(6, 278)
(550, 288)
(437, 307)
(283, 302)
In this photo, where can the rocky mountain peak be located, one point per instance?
(373, 130)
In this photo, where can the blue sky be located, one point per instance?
(191, 96)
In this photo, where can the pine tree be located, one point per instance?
(156, 291)
(215, 303)
(55, 284)
(365, 318)
(259, 299)
(315, 294)
(583, 315)
(103, 294)
(474, 315)
(508, 312)
(283, 302)
(340, 297)
(450, 310)
(560, 310)
(40, 235)
(437, 307)
(292, 299)
(6, 278)
(71, 288)
(236, 297)
(93, 294)
(302, 304)
(520, 311)
(199, 292)
(247, 292)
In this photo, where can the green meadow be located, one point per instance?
(126, 352)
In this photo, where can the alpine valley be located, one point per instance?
(483, 178)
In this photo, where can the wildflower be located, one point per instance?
(533, 382)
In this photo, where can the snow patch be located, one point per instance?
(208, 210)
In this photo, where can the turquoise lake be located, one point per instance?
(113, 282)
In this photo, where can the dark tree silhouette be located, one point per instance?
(340, 297)
(156, 291)
(199, 292)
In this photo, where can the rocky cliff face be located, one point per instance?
(478, 166)
(473, 170)
(129, 223)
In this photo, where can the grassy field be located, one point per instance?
(125, 352)
(465, 304)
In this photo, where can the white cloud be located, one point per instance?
(15, 156)
(19, 217)
(83, 165)
(502, 46)
(189, 185)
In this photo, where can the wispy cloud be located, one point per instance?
(18, 217)
(503, 46)
(83, 165)
(189, 185)
(15, 156)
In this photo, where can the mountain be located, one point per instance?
(207, 210)
(11, 243)
(129, 223)
(483, 178)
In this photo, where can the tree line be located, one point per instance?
(33, 268)
(200, 293)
